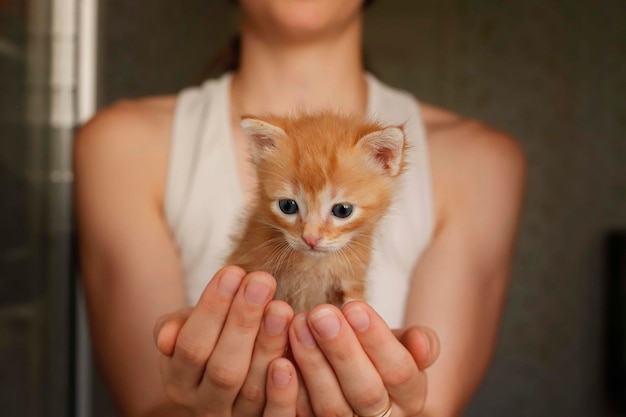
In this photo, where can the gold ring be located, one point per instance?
(385, 413)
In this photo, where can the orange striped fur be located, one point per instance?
(317, 160)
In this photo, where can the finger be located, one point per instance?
(167, 328)
(270, 344)
(282, 389)
(360, 382)
(228, 365)
(198, 336)
(303, 404)
(403, 380)
(422, 343)
(319, 378)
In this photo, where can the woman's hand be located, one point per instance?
(224, 357)
(352, 363)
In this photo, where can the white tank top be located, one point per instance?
(204, 195)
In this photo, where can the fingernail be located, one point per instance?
(275, 324)
(358, 319)
(303, 333)
(281, 375)
(326, 323)
(257, 291)
(229, 283)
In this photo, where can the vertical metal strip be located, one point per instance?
(63, 64)
(87, 63)
(58, 207)
(87, 59)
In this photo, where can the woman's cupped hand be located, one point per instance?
(240, 353)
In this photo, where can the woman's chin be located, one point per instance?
(304, 20)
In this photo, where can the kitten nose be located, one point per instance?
(310, 239)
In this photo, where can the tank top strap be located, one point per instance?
(203, 188)
(189, 114)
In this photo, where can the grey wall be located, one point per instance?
(149, 48)
(549, 72)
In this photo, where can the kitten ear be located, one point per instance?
(263, 136)
(385, 148)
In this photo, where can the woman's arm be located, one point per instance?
(129, 266)
(460, 283)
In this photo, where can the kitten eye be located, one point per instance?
(342, 210)
(288, 206)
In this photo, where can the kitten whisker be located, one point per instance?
(272, 226)
(265, 243)
(283, 256)
(342, 251)
(277, 256)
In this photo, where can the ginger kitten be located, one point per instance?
(324, 183)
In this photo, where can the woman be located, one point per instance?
(158, 181)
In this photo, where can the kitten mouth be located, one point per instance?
(316, 252)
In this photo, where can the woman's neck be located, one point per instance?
(326, 73)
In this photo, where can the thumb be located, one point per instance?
(166, 330)
(423, 344)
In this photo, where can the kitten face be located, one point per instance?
(325, 180)
(316, 222)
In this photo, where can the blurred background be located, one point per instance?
(552, 73)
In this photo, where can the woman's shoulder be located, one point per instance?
(128, 139)
(140, 119)
(465, 137)
(470, 160)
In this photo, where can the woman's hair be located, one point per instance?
(227, 58)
